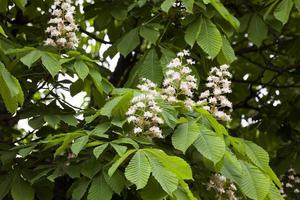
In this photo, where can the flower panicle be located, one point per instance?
(144, 112)
(213, 99)
(179, 82)
(62, 27)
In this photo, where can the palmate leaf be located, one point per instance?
(231, 168)
(80, 188)
(172, 163)
(257, 155)
(79, 143)
(274, 194)
(283, 10)
(99, 150)
(210, 145)
(153, 191)
(22, 190)
(151, 68)
(167, 180)
(209, 39)
(118, 162)
(254, 183)
(138, 170)
(51, 63)
(99, 189)
(117, 106)
(193, 31)
(185, 135)
(31, 57)
(188, 5)
(116, 181)
(257, 30)
(224, 13)
(166, 5)
(227, 53)
(81, 69)
(10, 90)
(129, 42)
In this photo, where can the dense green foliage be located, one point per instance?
(91, 153)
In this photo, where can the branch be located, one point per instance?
(93, 36)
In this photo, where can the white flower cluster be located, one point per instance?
(290, 184)
(214, 99)
(62, 28)
(179, 83)
(144, 112)
(221, 186)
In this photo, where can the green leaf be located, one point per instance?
(51, 64)
(257, 30)
(91, 167)
(10, 90)
(26, 151)
(209, 39)
(210, 145)
(185, 135)
(149, 34)
(224, 13)
(189, 5)
(127, 141)
(231, 167)
(173, 163)
(257, 155)
(5, 185)
(283, 10)
(167, 179)
(227, 53)
(101, 129)
(31, 58)
(80, 188)
(117, 106)
(138, 170)
(153, 191)
(22, 190)
(118, 162)
(119, 148)
(2, 31)
(79, 143)
(97, 79)
(99, 150)
(99, 189)
(116, 181)
(20, 3)
(151, 68)
(81, 69)
(167, 4)
(169, 115)
(69, 119)
(66, 142)
(193, 31)
(274, 194)
(52, 120)
(129, 42)
(254, 183)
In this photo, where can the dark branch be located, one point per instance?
(94, 36)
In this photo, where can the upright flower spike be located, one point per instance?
(62, 28)
(179, 84)
(214, 99)
(144, 111)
